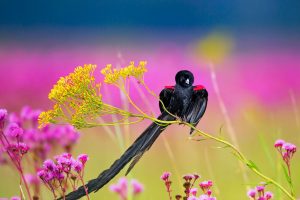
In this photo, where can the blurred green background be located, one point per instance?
(252, 45)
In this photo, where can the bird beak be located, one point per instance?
(187, 81)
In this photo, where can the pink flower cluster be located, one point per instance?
(11, 140)
(56, 174)
(19, 135)
(124, 189)
(23, 128)
(190, 180)
(12, 145)
(286, 151)
(189, 190)
(207, 192)
(165, 177)
(259, 193)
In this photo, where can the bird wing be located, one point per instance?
(197, 106)
(165, 96)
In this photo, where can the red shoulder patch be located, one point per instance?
(198, 87)
(170, 87)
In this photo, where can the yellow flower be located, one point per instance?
(49, 116)
(73, 85)
(77, 96)
(74, 95)
(112, 76)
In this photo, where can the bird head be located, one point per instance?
(184, 78)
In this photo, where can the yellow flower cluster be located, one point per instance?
(77, 96)
(74, 95)
(75, 84)
(112, 76)
(49, 116)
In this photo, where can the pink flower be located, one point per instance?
(59, 176)
(61, 160)
(65, 161)
(49, 176)
(83, 158)
(188, 177)
(165, 176)
(260, 188)
(286, 151)
(279, 143)
(121, 188)
(193, 191)
(290, 147)
(206, 184)
(115, 188)
(77, 166)
(49, 165)
(41, 173)
(17, 150)
(196, 176)
(251, 193)
(14, 130)
(268, 195)
(136, 186)
(23, 148)
(3, 114)
(209, 192)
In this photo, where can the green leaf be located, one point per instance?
(252, 165)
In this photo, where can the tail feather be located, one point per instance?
(135, 151)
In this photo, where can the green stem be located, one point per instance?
(234, 148)
(244, 160)
(238, 153)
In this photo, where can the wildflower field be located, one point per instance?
(72, 102)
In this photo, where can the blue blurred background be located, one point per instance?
(254, 45)
(153, 14)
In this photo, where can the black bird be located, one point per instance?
(183, 101)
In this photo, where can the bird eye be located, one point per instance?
(187, 81)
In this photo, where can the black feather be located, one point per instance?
(197, 107)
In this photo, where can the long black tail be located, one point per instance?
(136, 150)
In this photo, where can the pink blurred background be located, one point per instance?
(255, 50)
